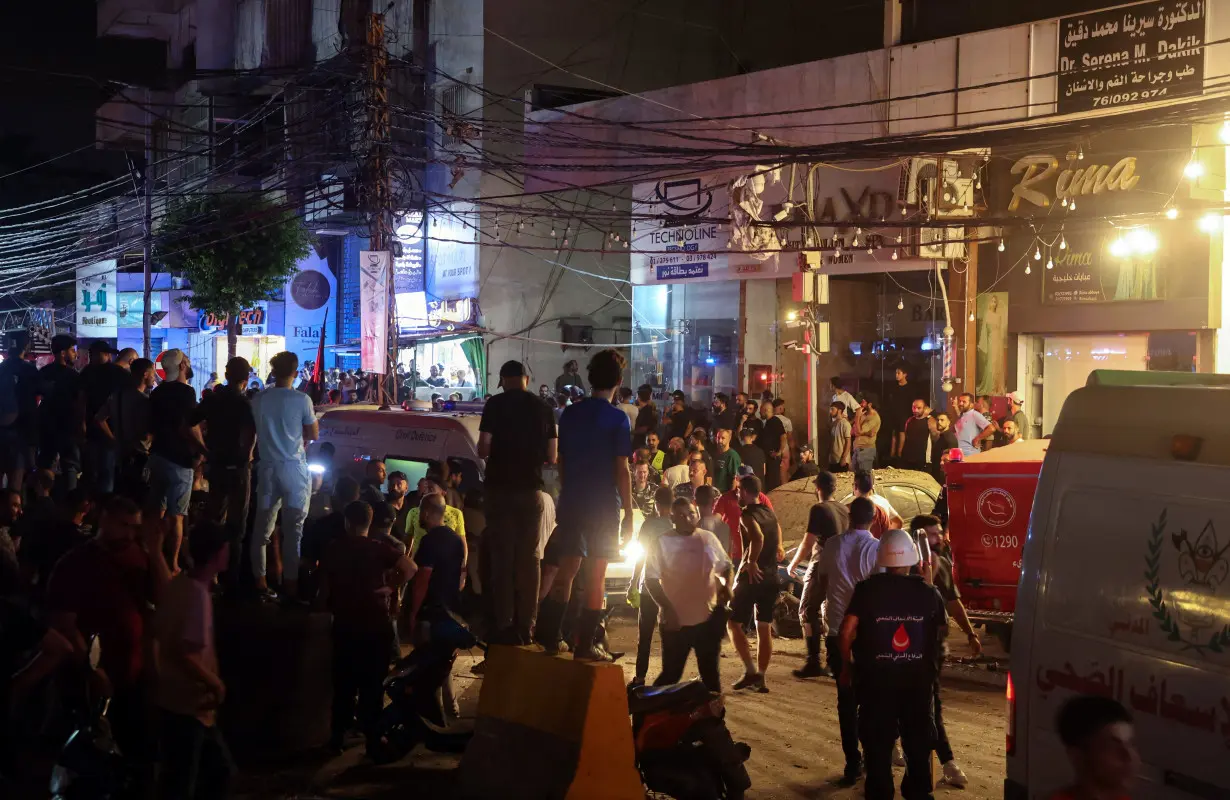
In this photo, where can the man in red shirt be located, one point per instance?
(104, 588)
(730, 511)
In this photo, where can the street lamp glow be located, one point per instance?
(1210, 223)
(1142, 241)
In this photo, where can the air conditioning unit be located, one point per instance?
(954, 190)
(941, 244)
(918, 180)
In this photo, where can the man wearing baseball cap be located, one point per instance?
(61, 413)
(1016, 400)
(176, 446)
(516, 436)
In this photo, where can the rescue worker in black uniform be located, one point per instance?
(891, 641)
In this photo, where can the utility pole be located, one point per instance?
(378, 189)
(147, 227)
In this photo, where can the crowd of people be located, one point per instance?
(130, 506)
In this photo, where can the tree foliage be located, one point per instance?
(235, 249)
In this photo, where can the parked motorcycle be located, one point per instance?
(415, 713)
(683, 748)
(90, 766)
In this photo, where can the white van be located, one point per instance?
(405, 440)
(1125, 586)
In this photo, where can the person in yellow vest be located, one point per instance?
(453, 517)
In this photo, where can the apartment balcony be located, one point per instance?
(139, 19)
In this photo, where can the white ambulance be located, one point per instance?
(405, 440)
(1125, 586)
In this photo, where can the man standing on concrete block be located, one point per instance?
(595, 442)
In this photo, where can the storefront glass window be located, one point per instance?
(442, 368)
(686, 336)
(1068, 360)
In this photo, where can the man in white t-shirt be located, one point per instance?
(689, 576)
(626, 405)
(285, 423)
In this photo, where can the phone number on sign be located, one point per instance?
(1126, 97)
(992, 540)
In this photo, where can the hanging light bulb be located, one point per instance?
(904, 211)
(1049, 263)
(1027, 269)
(871, 251)
(894, 255)
(1064, 202)
(1001, 246)
(625, 244)
(898, 238)
(1037, 253)
(1172, 213)
(520, 226)
(1072, 205)
(1193, 170)
(972, 318)
(565, 242)
(1063, 243)
(900, 303)
(1080, 153)
(553, 233)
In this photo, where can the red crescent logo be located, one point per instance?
(996, 507)
(901, 639)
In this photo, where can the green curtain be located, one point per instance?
(476, 354)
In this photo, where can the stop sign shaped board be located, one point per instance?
(162, 375)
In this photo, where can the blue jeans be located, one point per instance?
(170, 486)
(285, 485)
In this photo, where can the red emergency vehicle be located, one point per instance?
(990, 496)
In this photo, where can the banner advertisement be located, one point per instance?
(1131, 54)
(453, 258)
(130, 310)
(1106, 267)
(992, 360)
(374, 310)
(309, 293)
(408, 273)
(96, 301)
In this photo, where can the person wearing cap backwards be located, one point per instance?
(1015, 402)
(285, 424)
(99, 380)
(807, 468)
(516, 436)
(61, 412)
(891, 645)
(177, 447)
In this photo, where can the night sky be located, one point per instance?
(45, 110)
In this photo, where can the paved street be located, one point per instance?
(796, 752)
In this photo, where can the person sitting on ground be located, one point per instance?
(357, 574)
(689, 577)
(1098, 735)
(195, 759)
(647, 537)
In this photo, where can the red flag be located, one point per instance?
(318, 370)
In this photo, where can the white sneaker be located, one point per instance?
(898, 756)
(953, 775)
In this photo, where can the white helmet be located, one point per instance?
(897, 549)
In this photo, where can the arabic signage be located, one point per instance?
(1086, 272)
(408, 273)
(679, 230)
(1132, 54)
(96, 301)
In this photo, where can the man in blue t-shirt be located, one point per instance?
(595, 441)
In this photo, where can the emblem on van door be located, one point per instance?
(1204, 565)
(996, 507)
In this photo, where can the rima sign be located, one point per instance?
(1132, 54)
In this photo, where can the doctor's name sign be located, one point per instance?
(1042, 182)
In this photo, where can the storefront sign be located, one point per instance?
(309, 293)
(96, 301)
(680, 224)
(252, 322)
(1133, 54)
(1119, 172)
(373, 310)
(1086, 271)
